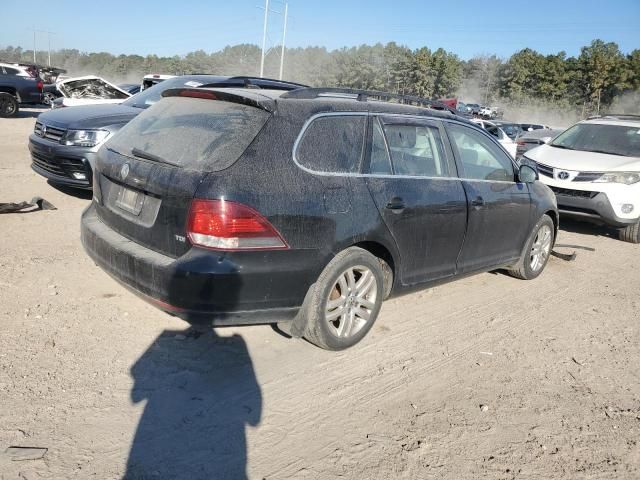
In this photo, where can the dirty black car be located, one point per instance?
(307, 208)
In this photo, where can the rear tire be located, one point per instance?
(345, 301)
(8, 105)
(630, 233)
(48, 98)
(537, 251)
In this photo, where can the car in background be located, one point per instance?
(474, 108)
(153, 79)
(131, 88)
(486, 112)
(65, 141)
(19, 85)
(528, 140)
(593, 168)
(513, 130)
(88, 90)
(504, 139)
(528, 127)
(307, 207)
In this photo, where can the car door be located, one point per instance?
(411, 177)
(499, 207)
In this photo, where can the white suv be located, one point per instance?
(594, 170)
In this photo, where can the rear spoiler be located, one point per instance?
(251, 99)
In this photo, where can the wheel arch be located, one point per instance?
(380, 251)
(9, 90)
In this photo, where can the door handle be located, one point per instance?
(396, 205)
(478, 202)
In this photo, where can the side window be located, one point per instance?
(380, 162)
(10, 71)
(333, 144)
(481, 158)
(416, 150)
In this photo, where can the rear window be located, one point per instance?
(333, 144)
(192, 133)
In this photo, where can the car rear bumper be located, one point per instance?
(202, 286)
(594, 206)
(61, 164)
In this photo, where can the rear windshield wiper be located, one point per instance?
(136, 152)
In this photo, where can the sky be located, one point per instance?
(464, 27)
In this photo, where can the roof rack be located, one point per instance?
(256, 82)
(365, 95)
(619, 116)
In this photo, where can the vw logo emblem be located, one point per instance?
(563, 175)
(124, 171)
(43, 130)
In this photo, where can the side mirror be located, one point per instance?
(527, 174)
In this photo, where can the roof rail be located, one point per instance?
(254, 82)
(365, 95)
(620, 116)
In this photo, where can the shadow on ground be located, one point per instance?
(74, 192)
(201, 392)
(587, 228)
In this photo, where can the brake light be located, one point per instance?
(197, 94)
(225, 225)
(40, 85)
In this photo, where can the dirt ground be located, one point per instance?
(487, 377)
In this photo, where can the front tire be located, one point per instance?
(345, 300)
(536, 251)
(630, 233)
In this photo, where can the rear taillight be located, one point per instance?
(40, 85)
(225, 225)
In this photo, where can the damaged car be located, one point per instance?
(88, 90)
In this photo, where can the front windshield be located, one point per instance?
(593, 137)
(151, 95)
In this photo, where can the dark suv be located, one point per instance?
(65, 141)
(232, 206)
(18, 85)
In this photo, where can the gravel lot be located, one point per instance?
(488, 377)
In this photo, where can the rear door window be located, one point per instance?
(481, 158)
(208, 135)
(333, 144)
(416, 149)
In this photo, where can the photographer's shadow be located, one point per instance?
(201, 392)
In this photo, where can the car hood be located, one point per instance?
(91, 87)
(581, 161)
(89, 116)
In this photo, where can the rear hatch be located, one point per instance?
(148, 173)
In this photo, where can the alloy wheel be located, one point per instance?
(351, 301)
(541, 248)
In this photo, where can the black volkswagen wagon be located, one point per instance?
(307, 208)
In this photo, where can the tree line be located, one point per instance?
(594, 80)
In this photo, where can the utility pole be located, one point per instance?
(34, 44)
(49, 42)
(284, 36)
(264, 37)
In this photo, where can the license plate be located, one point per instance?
(130, 200)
